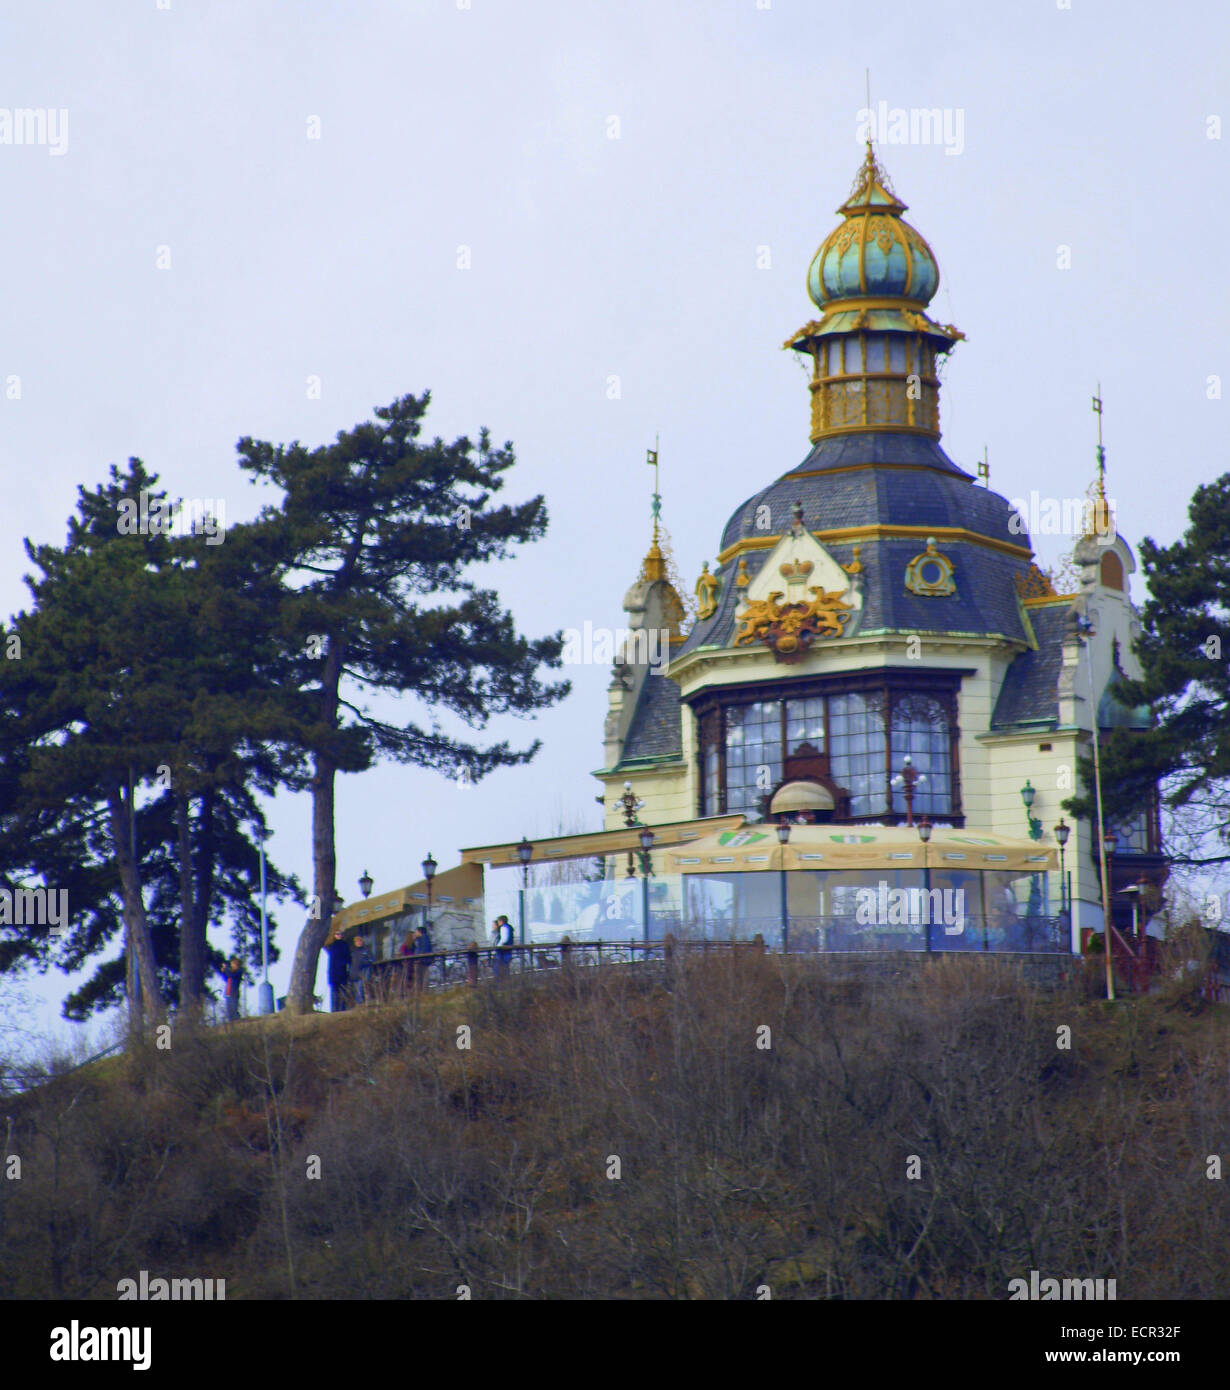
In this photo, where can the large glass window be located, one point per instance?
(856, 724)
(753, 754)
(863, 736)
(1133, 835)
(920, 730)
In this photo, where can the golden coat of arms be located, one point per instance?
(789, 629)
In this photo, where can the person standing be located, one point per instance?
(406, 949)
(422, 957)
(339, 972)
(503, 933)
(232, 974)
(362, 964)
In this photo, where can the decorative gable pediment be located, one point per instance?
(799, 596)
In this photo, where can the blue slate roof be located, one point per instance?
(915, 483)
(655, 731)
(912, 483)
(1030, 692)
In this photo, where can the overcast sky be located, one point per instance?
(249, 195)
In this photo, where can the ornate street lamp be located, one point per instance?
(525, 852)
(908, 779)
(1028, 792)
(924, 834)
(1139, 891)
(1061, 833)
(646, 839)
(366, 884)
(429, 872)
(783, 838)
(631, 804)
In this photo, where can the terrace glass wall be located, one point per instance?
(946, 909)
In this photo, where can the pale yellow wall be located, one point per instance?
(994, 767)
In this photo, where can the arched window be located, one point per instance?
(1111, 573)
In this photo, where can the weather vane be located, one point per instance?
(652, 460)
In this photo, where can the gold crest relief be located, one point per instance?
(789, 629)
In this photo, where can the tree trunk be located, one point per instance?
(192, 919)
(300, 995)
(135, 920)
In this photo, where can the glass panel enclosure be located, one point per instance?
(951, 909)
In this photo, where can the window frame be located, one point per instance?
(891, 682)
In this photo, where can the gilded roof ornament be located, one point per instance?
(931, 575)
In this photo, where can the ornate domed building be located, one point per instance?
(874, 644)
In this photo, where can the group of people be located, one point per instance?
(351, 965)
(349, 972)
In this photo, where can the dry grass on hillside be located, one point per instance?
(636, 1133)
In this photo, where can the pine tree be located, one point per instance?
(376, 532)
(138, 666)
(1184, 651)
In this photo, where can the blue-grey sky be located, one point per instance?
(249, 195)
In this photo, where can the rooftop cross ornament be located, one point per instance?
(1099, 522)
(656, 506)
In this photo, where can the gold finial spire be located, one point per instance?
(1099, 522)
(655, 562)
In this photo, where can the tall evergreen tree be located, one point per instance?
(1184, 652)
(376, 531)
(136, 667)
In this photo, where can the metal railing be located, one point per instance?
(806, 936)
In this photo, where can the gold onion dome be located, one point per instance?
(874, 253)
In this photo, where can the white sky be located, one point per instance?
(488, 127)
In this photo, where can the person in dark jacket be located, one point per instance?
(362, 964)
(339, 972)
(503, 933)
(232, 974)
(422, 956)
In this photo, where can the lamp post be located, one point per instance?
(908, 778)
(1061, 832)
(1108, 842)
(631, 804)
(924, 834)
(429, 872)
(646, 839)
(1028, 792)
(264, 995)
(783, 837)
(366, 883)
(1138, 891)
(1085, 625)
(525, 852)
